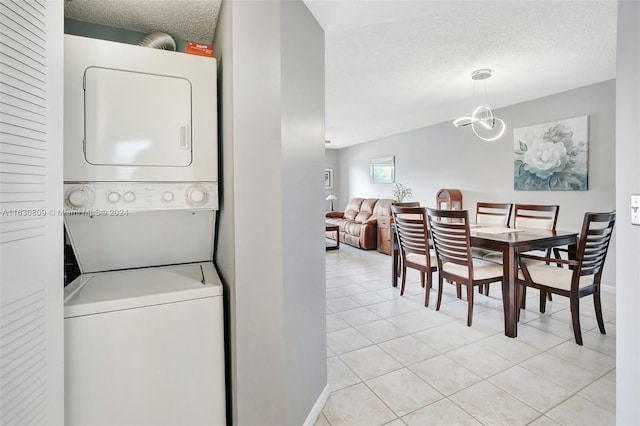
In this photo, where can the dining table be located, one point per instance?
(509, 242)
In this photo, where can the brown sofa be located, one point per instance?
(358, 224)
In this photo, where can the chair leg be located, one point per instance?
(470, 303)
(598, 306)
(486, 289)
(520, 295)
(404, 279)
(458, 290)
(575, 318)
(428, 288)
(549, 297)
(523, 300)
(439, 292)
(543, 301)
(422, 279)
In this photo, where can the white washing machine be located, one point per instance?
(144, 347)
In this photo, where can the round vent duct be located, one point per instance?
(159, 40)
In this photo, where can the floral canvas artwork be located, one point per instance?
(552, 156)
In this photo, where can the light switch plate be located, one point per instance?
(635, 209)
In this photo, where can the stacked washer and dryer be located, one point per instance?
(144, 320)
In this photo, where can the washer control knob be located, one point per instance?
(197, 196)
(114, 197)
(129, 196)
(167, 196)
(78, 198)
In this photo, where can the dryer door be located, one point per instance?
(137, 119)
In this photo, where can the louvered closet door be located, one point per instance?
(31, 265)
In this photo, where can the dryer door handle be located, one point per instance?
(185, 137)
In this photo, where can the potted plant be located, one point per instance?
(401, 192)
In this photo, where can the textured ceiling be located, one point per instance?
(393, 66)
(190, 20)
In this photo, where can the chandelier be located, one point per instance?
(483, 122)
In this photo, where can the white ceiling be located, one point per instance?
(394, 66)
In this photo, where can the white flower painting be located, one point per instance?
(552, 156)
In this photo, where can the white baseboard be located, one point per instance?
(317, 407)
(608, 288)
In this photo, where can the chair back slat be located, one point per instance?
(450, 234)
(597, 230)
(536, 216)
(411, 229)
(407, 204)
(495, 214)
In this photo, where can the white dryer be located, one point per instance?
(136, 114)
(145, 347)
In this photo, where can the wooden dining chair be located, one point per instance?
(452, 243)
(413, 241)
(493, 214)
(581, 278)
(405, 204)
(532, 216)
(490, 214)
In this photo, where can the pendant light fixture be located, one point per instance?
(483, 122)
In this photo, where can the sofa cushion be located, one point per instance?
(353, 208)
(353, 228)
(350, 214)
(368, 205)
(383, 207)
(336, 221)
(362, 217)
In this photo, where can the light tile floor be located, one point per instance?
(393, 361)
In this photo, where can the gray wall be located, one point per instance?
(302, 79)
(331, 162)
(442, 156)
(271, 241)
(628, 241)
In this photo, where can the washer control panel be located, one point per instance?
(140, 196)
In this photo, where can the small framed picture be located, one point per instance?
(328, 178)
(383, 170)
